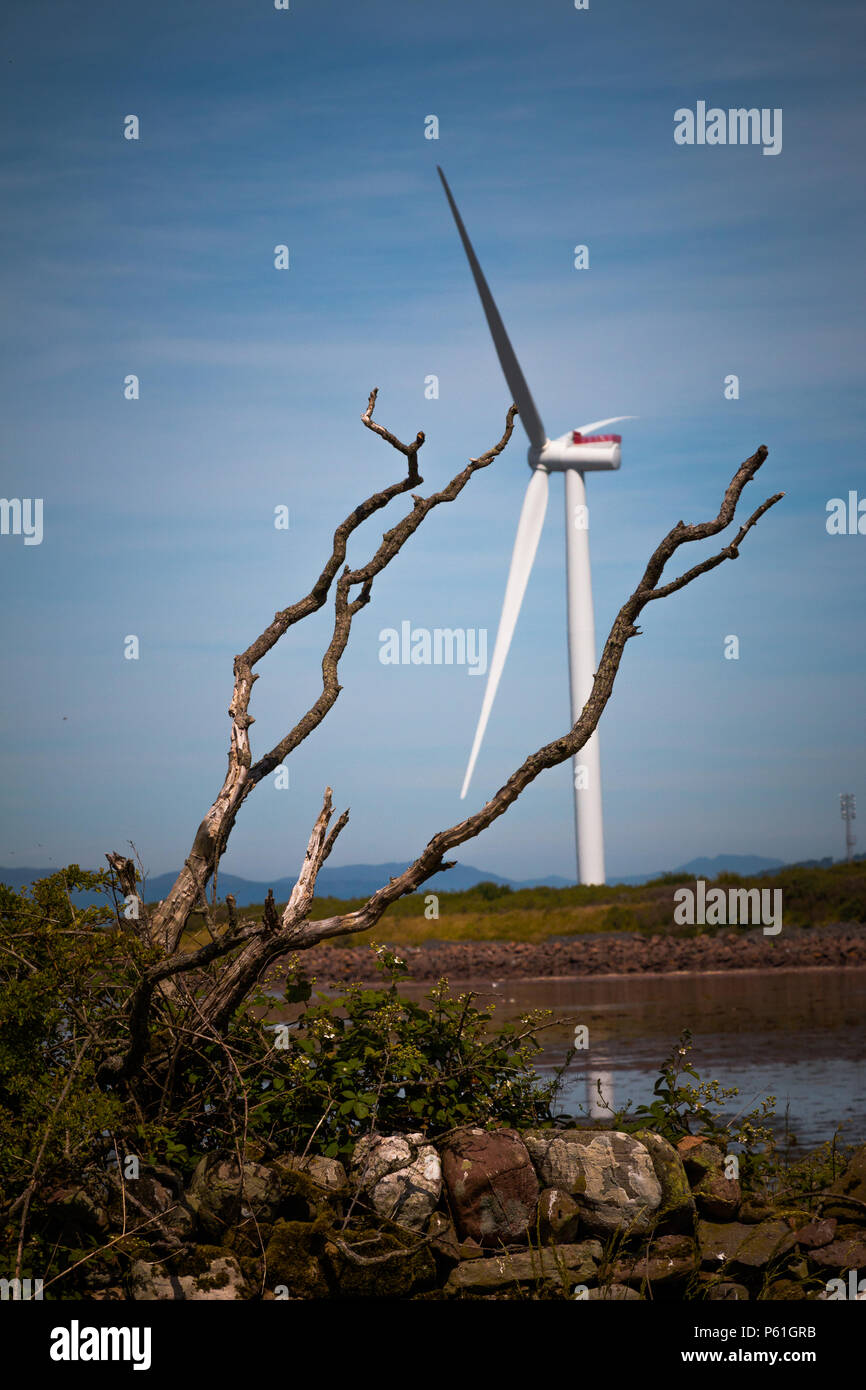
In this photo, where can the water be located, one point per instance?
(799, 1035)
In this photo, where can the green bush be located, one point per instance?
(370, 1058)
(63, 976)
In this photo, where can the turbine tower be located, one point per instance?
(575, 453)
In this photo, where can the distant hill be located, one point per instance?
(360, 880)
(349, 881)
(748, 865)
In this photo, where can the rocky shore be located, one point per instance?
(604, 954)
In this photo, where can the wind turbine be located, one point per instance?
(575, 453)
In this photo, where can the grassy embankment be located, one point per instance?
(488, 912)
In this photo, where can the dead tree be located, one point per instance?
(253, 946)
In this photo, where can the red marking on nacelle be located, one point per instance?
(578, 438)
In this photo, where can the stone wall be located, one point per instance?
(493, 1214)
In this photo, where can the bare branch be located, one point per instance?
(431, 860)
(410, 450)
(730, 552)
(298, 932)
(261, 943)
(242, 776)
(301, 897)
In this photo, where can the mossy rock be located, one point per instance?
(217, 1277)
(755, 1208)
(411, 1269)
(732, 1245)
(677, 1210)
(700, 1157)
(327, 1174)
(251, 1269)
(293, 1268)
(220, 1193)
(785, 1291)
(301, 1198)
(197, 1260)
(246, 1239)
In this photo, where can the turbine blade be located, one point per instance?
(529, 416)
(597, 424)
(522, 557)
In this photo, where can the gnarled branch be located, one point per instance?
(259, 944)
(170, 918)
(298, 933)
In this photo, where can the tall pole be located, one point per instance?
(586, 764)
(849, 814)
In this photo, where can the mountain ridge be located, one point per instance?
(360, 880)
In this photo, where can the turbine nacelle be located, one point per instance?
(581, 449)
(588, 456)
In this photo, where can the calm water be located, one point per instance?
(799, 1035)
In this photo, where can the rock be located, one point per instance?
(558, 1217)
(327, 1173)
(168, 1177)
(728, 1292)
(785, 1291)
(699, 1157)
(220, 1193)
(841, 1254)
(293, 1271)
(677, 1208)
(73, 1206)
(609, 1174)
(444, 1241)
(718, 1197)
(401, 1177)
(754, 1210)
(157, 1193)
(98, 1204)
(491, 1185)
(739, 1245)
(613, 1293)
(563, 1267)
(146, 1285)
(221, 1281)
(852, 1184)
(557, 1156)
(688, 1143)
(364, 1273)
(309, 1186)
(669, 1259)
(816, 1234)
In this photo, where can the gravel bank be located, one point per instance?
(608, 954)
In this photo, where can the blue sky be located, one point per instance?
(306, 127)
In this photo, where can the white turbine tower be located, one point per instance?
(573, 454)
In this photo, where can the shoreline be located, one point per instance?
(605, 956)
(665, 974)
